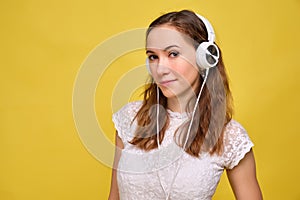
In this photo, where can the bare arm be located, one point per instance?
(243, 179)
(114, 190)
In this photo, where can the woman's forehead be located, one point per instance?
(164, 36)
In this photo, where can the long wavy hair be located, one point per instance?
(214, 110)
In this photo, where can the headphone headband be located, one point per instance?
(209, 28)
(207, 53)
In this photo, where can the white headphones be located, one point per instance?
(207, 53)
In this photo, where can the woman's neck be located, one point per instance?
(178, 104)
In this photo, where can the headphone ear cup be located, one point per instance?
(207, 55)
(148, 66)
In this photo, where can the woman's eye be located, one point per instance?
(152, 57)
(173, 54)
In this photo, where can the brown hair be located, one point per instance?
(214, 109)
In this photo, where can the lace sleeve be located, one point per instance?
(236, 144)
(122, 120)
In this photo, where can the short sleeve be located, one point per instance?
(236, 144)
(123, 120)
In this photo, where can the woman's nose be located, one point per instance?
(162, 66)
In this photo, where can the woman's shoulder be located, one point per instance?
(130, 108)
(235, 133)
(123, 119)
(234, 128)
(125, 115)
(236, 143)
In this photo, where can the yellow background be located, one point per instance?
(44, 43)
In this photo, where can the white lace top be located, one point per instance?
(169, 171)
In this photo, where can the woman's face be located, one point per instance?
(172, 61)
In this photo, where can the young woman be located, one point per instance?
(176, 143)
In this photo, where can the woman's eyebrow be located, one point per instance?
(165, 49)
(171, 46)
(149, 51)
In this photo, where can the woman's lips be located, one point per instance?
(165, 83)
